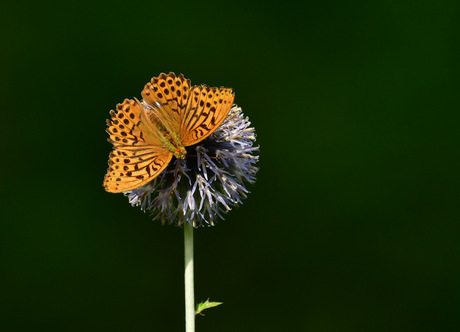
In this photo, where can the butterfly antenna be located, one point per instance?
(192, 155)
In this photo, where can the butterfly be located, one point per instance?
(146, 135)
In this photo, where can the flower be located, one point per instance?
(209, 182)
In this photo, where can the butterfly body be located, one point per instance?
(174, 145)
(172, 115)
(169, 139)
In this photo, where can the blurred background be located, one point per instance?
(353, 224)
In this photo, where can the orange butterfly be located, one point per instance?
(146, 135)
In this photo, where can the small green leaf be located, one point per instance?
(205, 305)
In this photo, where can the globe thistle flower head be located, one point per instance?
(210, 181)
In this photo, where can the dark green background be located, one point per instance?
(353, 224)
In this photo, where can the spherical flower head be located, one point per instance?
(209, 181)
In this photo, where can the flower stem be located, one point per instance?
(189, 287)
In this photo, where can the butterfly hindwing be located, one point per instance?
(129, 170)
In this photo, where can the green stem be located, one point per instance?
(189, 288)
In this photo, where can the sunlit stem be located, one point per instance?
(189, 288)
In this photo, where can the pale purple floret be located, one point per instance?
(204, 187)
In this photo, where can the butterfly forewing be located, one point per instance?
(167, 95)
(136, 158)
(206, 109)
